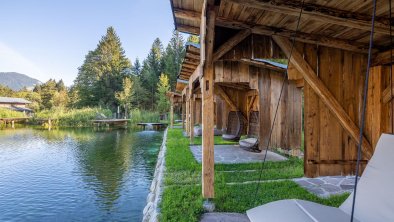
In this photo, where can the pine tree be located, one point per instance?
(136, 70)
(173, 56)
(151, 70)
(102, 72)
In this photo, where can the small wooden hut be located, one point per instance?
(328, 64)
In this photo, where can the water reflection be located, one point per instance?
(75, 175)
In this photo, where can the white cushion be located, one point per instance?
(296, 211)
(375, 193)
(374, 201)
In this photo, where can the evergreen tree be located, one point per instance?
(163, 86)
(151, 70)
(102, 72)
(173, 56)
(136, 70)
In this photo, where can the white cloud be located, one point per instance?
(13, 61)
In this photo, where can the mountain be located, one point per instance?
(17, 81)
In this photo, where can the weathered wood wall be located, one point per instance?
(329, 149)
(287, 129)
(238, 74)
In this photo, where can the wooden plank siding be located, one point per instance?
(286, 133)
(329, 149)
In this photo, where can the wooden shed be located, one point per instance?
(328, 61)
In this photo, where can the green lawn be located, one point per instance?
(182, 200)
(218, 141)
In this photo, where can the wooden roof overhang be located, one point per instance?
(190, 61)
(340, 24)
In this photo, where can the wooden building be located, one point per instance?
(327, 44)
(16, 104)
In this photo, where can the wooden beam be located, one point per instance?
(386, 95)
(188, 29)
(207, 37)
(187, 14)
(299, 83)
(325, 95)
(262, 64)
(319, 13)
(301, 36)
(192, 113)
(271, 31)
(382, 58)
(251, 103)
(233, 41)
(220, 92)
(172, 112)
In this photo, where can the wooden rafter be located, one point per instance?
(301, 36)
(325, 95)
(319, 13)
(188, 29)
(382, 58)
(275, 31)
(262, 64)
(387, 96)
(227, 46)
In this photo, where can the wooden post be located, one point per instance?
(187, 115)
(207, 81)
(183, 113)
(172, 112)
(192, 118)
(12, 124)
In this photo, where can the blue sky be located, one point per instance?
(50, 38)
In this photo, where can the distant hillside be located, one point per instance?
(17, 81)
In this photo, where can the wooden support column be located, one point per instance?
(183, 112)
(207, 88)
(325, 95)
(192, 118)
(187, 117)
(172, 112)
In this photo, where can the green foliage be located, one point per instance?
(138, 116)
(194, 39)
(72, 117)
(163, 86)
(125, 96)
(182, 200)
(6, 113)
(52, 94)
(5, 91)
(102, 73)
(172, 58)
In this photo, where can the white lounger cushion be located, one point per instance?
(296, 211)
(375, 191)
(374, 202)
(249, 142)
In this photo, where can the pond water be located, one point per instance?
(76, 175)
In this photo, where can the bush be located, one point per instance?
(138, 116)
(72, 117)
(6, 113)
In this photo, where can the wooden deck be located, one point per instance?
(110, 122)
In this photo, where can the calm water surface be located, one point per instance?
(75, 175)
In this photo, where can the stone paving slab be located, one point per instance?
(224, 217)
(327, 186)
(235, 154)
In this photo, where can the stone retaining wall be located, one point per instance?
(151, 210)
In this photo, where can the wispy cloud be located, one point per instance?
(13, 61)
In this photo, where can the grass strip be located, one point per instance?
(182, 199)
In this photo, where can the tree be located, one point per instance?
(173, 56)
(163, 86)
(193, 39)
(125, 96)
(151, 70)
(102, 73)
(6, 91)
(136, 70)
